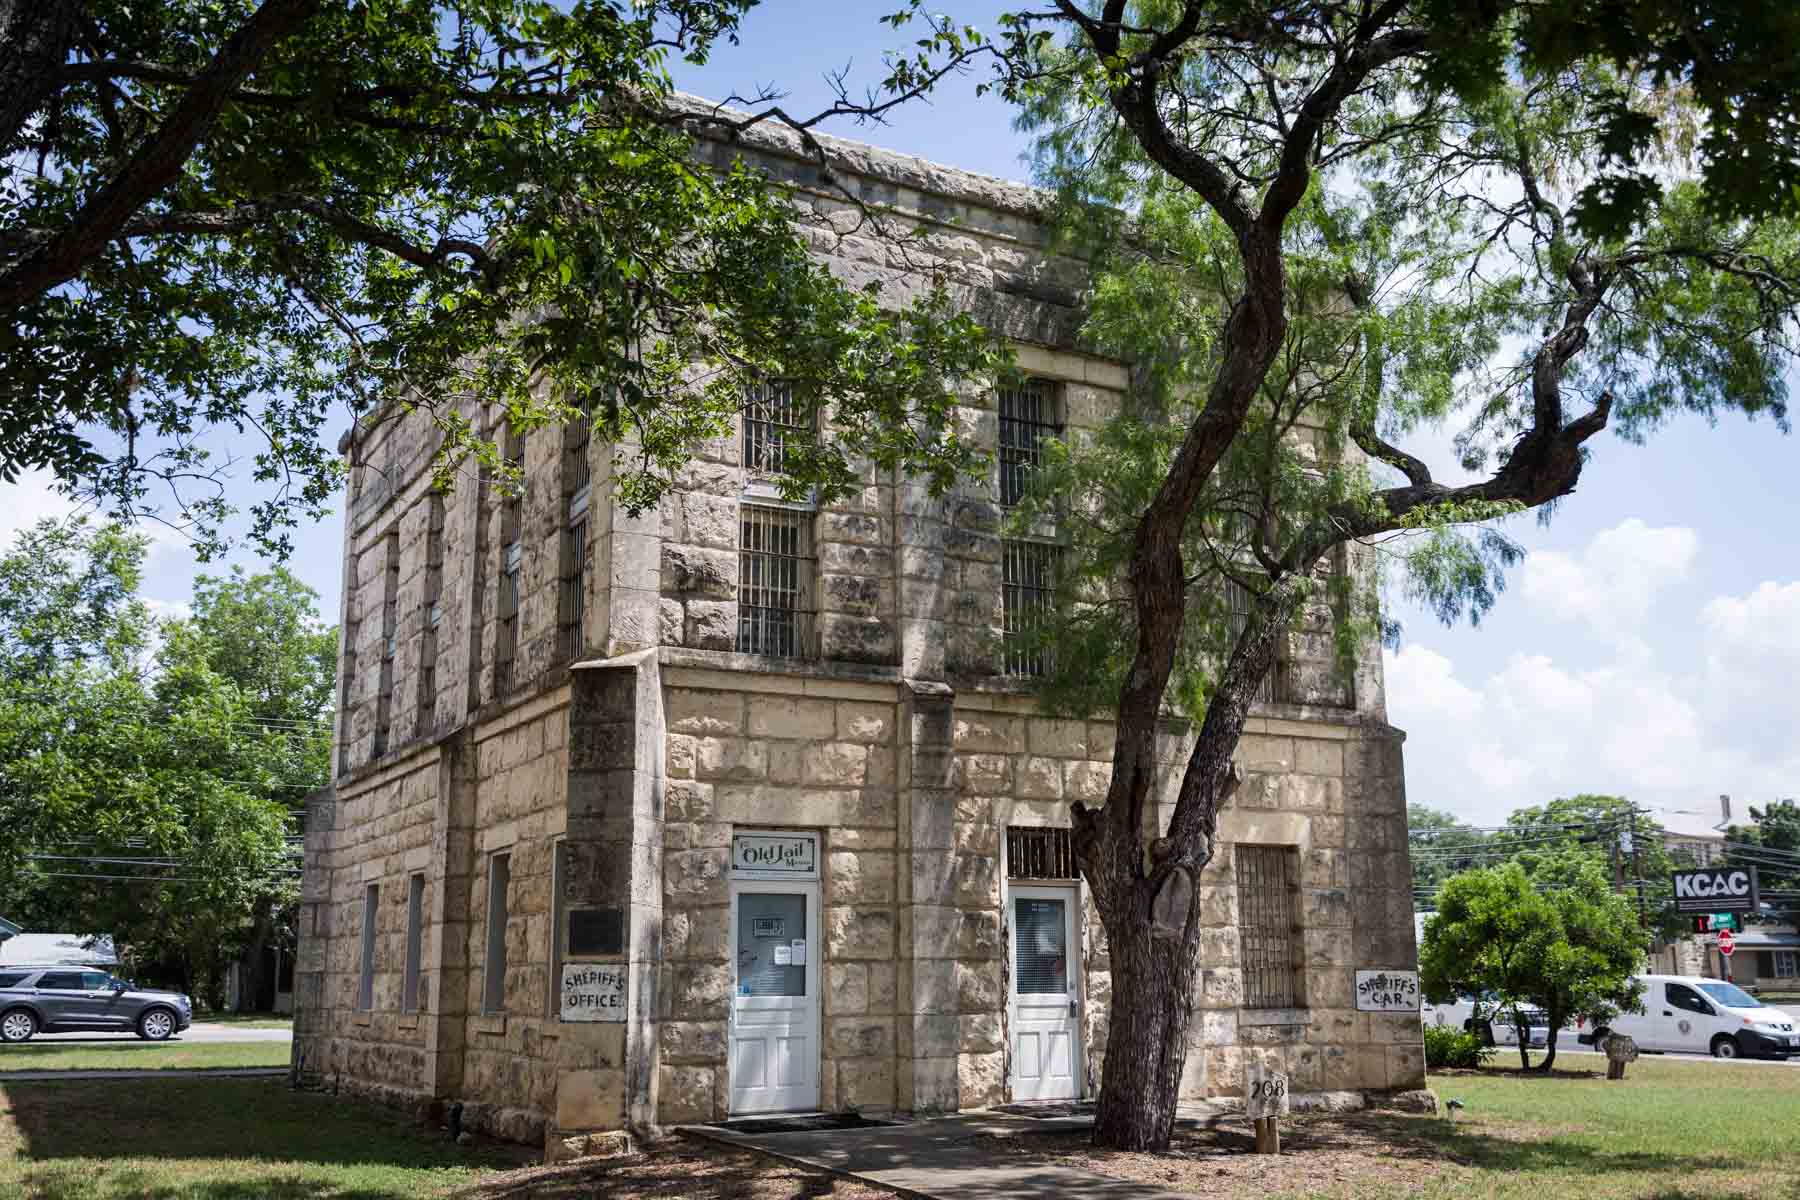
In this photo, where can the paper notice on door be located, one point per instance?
(784, 957)
(797, 952)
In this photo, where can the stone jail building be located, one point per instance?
(742, 806)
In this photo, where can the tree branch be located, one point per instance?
(159, 161)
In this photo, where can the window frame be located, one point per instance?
(499, 884)
(1264, 930)
(365, 978)
(1021, 597)
(1021, 434)
(1791, 958)
(772, 629)
(414, 974)
(770, 415)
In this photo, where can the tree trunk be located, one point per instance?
(1524, 1037)
(252, 960)
(35, 36)
(1549, 1049)
(1153, 978)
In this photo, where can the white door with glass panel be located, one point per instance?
(1046, 997)
(775, 997)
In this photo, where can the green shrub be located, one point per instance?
(1447, 1047)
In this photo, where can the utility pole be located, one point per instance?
(1637, 869)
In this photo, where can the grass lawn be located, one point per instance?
(1672, 1130)
(220, 1139)
(140, 1056)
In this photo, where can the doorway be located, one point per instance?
(774, 1034)
(1045, 993)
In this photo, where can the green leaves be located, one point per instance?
(429, 207)
(152, 798)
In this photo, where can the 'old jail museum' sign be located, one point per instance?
(593, 992)
(775, 855)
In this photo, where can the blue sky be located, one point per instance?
(1648, 646)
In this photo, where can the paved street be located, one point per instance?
(1735, 1062)
(199, 1031)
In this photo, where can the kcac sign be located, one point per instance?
(1717, 889)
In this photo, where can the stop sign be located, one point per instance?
(1726, 942)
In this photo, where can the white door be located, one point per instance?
(1046, 997)
(775, 997)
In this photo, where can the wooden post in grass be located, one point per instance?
(1619, 1051)
(1265, 1103)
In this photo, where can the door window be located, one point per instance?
(61, 981)
(1041, 964)
(95, 981)
(1684, 997)
(771, 944)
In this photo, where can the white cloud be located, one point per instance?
(28, 501)
(1611, 584)
(1671, 717)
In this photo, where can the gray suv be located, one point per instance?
(58, 999)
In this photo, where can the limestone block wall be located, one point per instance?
(512, 1056)
(772, 752)
(380, 833)
(1017, 767)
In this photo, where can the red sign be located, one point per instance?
(1725, 942)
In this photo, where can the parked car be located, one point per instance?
(61, 999)
(1496, 1028)
(1689, 1014)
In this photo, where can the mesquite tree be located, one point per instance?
(1314, 229)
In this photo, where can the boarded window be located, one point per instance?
(493, 982)
(1040, 854)
(775, 582)
(1269, 926)
(1027, 421)
(365, 984)
(771, 422)
(415, 939)
(1028, 589)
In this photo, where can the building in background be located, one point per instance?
(742, 806)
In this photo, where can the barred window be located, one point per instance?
(390, 636)
(775, 582)
(1274, 685)
(1040, 853)
(1269, 925)
(512, 562)
(574, 579)
(572, 589)
(433, 600)
(578, 438)
(1028, 589)
(511, 584)
(771, 418)
(1027, 420)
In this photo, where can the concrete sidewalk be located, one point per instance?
(946, 1158)
(199, 1031)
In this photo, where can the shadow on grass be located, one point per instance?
(1536, 1150)
(140, 1185)
(218, 1118)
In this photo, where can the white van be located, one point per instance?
(1500, 1029)
(1686, 1014)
